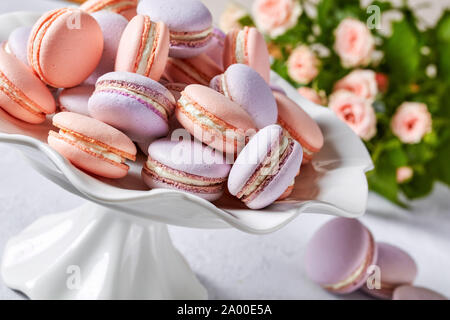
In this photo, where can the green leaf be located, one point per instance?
(246, 21)
(443, 39)
(420, 186)
(441, 163)
(402, 53)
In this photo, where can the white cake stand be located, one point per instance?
(117, 246)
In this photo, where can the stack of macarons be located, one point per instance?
(343, 256)
(156, 73)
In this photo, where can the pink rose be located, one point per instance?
(355, 111)
(311, 95)
(303, 65)
(361, 82)
(354, 43)
(411, 122)
(404, 174)
(274, 17)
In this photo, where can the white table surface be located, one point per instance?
(230, 263)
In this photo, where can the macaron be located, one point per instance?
(397, 268)
(215, 49)
(339, 254)
(175, 88)
(197, 70)
(214, 119)
(265, 167)
(18, 42)
(92, 145)
(132, 103)
(299, 125)
(144, 47)
(246, 87)
(65, 47)
(22, 94)
(189, 22)
(76, 99)
(247, 46)
(408, 292)
(188, 166)
(126, 8)
(112, 25)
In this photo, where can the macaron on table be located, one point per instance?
(108, 237)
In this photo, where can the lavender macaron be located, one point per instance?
(17, 43)
(339, 255)
(132, 103)
(76, 99)
(396, 268)
(112, 25)
(215, 49)
(265, 167)
(186, 165)
(189, 22)
(246, 87)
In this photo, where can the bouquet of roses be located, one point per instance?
(379, 69)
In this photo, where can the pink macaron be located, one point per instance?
(144, 47)
(76, 99)
(112, 25)
(18, 42)
(65, 47)
(126, 8)
(299, 125)
(22, 94)
(246, 87)
(339, 254)
(92, 145)
(265, 167)
(132, 103)
(214, 119)
(396, 268)
(197, 70)
(407, 292)
(247, 46)
(188, 166)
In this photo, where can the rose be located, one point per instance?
(411, 122)
(303, 65)
(274, 17)
(361, 82)
(229, 19)
(355, 111)
(354, 43)
(404, 174)
(311, 95)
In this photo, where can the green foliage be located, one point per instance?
(408, 52)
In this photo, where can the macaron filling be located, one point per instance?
(183, 180)
(151, 99)
(240, 51)
(356, 275)
(92, 146)
(204, 118)
(308, 153)
(190, 71)
(16, 95)
(191, 39)
(144, 60)
(268, 168)
(114, 6)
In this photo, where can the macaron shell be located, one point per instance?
(25, 81)
(67, 55)
(297, 119)
(112, 25)
(76, 99)
(397, 268)
(189, 156)
(280, 181)
(248, 89)
(337, 250)
(416, 293)
(215, 49)
(131, 42)
(155, 184)
(17, 43)
(96, 130)
(86, 161)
